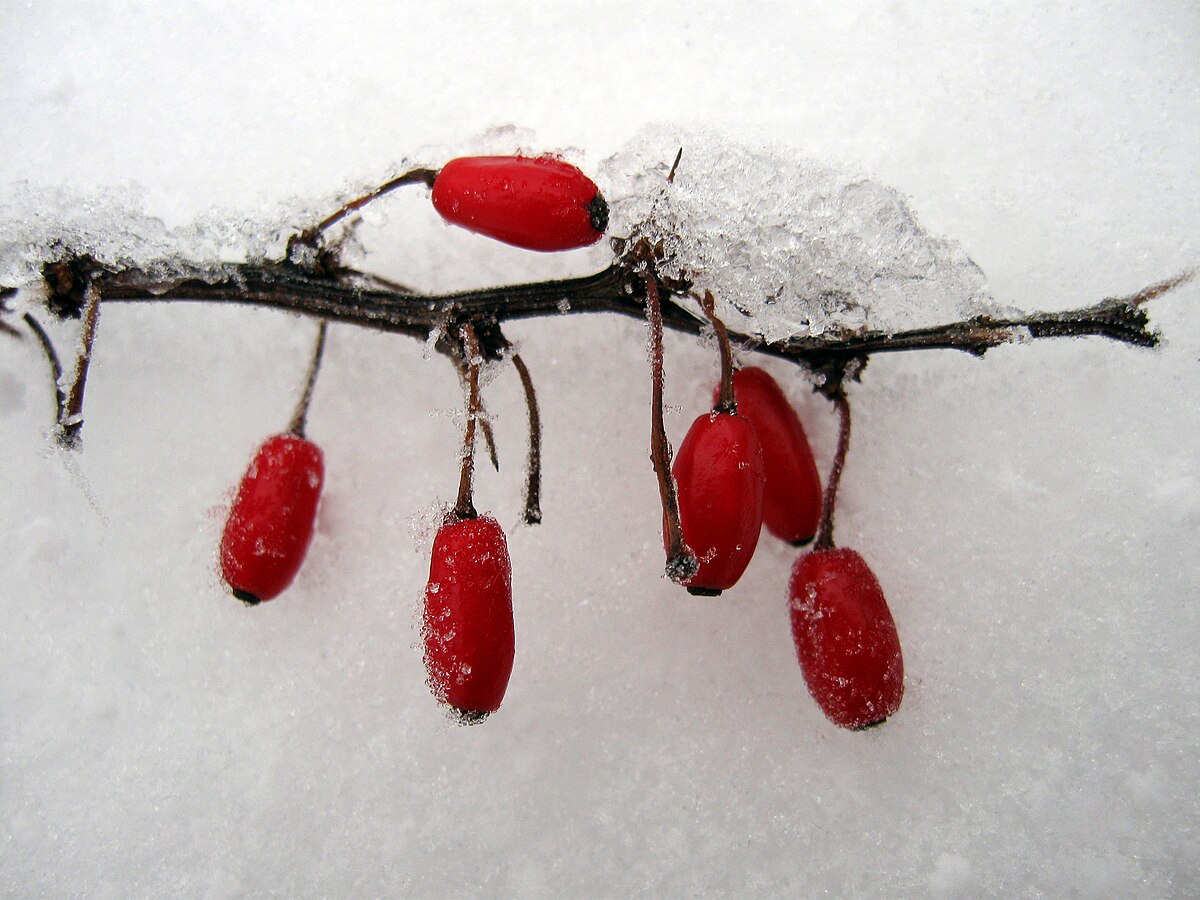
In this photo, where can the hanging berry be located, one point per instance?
(844, 633)
(792, 492)
(719, 475)
(537, 203)
(271, 522)
(468, 619)
(467, 623)
(845, 638)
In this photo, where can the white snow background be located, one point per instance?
(1032, 516)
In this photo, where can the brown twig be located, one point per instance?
(419, 315)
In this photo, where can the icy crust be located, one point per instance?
(788, 245)
(40, 224)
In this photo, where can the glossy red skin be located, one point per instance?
(718, 473)
(792, 495)
(468, 617)
(845, 638)
(537, 203)
(271, 522)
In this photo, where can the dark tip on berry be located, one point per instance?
(869, 725)
(704, 592)
(246, 597)
(468, 716)
(598, 212)
(803, 542)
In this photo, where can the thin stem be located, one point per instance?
(300, 417)
(681, 561)
(489, 439)
(310, 235)
(824, 539)
(464, 507)
(726, 402)
(485, 427)
(56, 371)
(533, 474)
(70, 423)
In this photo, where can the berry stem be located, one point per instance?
(533, 483)
(464, 507)
(309, 236)
(60, 399)
(485, 427)
(824, 539)
(681, 562)
(726, 402)
(300, 418)
(70, 422)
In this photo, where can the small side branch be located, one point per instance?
(533, 475)
(311, 237)
(70, 423)
(681, 561)
(56, 371)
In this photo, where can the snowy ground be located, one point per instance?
(1031, 516)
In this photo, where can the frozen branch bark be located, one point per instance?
(355, 298)
(77, 286)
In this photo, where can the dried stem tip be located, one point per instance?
(681, 562)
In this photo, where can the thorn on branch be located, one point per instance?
(1157, 290)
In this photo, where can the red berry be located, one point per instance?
(792, 495)
(845, 638)
(271, 522)
(719, 475)
(468, 619)
(537, 203)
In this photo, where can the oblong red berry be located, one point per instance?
(719, 477)
(792, 494)
(538, 203)
(271, 521)
(845, 638)
(467, 622)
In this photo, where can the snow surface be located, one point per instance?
(1031, 516)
